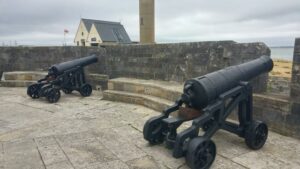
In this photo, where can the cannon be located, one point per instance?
(208, 101)
(66, 76)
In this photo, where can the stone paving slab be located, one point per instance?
(89, 133)
(1, 156)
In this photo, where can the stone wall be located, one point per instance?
(283, 112)
(279, 85)
(295, 86)
(179, 62)
(294, 117)
(41, 58)
(175, 62)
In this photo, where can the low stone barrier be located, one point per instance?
(279, 85)
(26, 78)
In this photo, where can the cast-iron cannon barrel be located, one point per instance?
(201, 91)
(60, 68)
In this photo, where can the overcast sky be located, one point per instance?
(41, 22)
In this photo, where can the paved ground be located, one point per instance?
(90, 133)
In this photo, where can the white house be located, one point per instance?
(95, 32)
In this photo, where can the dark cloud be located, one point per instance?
(39, 22)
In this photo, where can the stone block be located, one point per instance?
(146, 162)
(154, 103)
(296, 109)
(295, 87)
(253, 160)
(62, 165)
(122, 148)
(15, 83)
(98, 79)
(83, 149)
(272, 103)
(52, 154)
(1, 156)
(295, 92)
(22, 154)
(108, 165)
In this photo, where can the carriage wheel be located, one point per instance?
(53, 95)
(256, 135)
(86, 90)
(153, 131)
(201, 153)
(33, 91)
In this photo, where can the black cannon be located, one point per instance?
(66, 76)
(208, 101)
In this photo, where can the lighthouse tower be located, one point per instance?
(147, 21)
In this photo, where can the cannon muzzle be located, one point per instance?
(201, 91)
(60, 68)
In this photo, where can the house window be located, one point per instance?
(82, 33)
(142, 21)
(118, 35)
(77, 43)
(93, 39)
(82, 42)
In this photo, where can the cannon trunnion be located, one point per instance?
(208, 101)
(66, 76)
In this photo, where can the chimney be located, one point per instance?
(147, 21)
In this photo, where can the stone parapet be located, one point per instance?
(26, 78)
(168, 62)
(98, 80)
(295, 85)
(279, 85)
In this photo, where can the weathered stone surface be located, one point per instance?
(1, 156)
(15, 83)
(143, 163)
(231, 145)
(279, 85)
(107, 135)
(123, 149)
(295, 86)
(22, 154)
(98, 80)
(225, 163)
(162, 89)
(175, 62)
(60, 165)
(50, 151)
(26, 78)
(154, 103)
(254, 160)
(296, 108)
(108, 165)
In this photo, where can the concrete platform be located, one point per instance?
(20, 78)
(90, 133)
(154, 94)
(26, 78)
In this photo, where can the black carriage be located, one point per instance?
(208, 101)
(66, 76)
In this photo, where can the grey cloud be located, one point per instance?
(41, 22)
